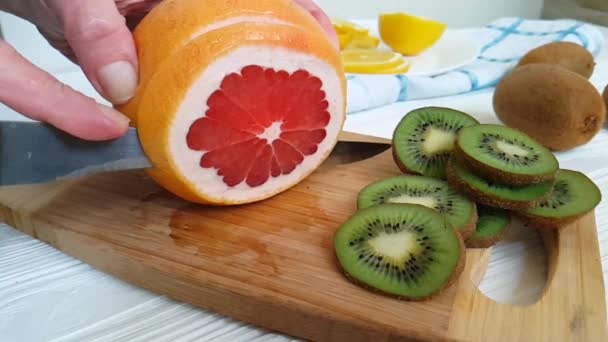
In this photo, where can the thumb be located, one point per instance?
(102, 44)
(39, 96)
(322, 19)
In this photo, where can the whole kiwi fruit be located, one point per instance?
(606, 96)
(568, 55)
(558, 108)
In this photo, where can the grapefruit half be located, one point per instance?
(238, 104)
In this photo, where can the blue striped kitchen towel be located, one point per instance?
(503, 42)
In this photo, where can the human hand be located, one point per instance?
(96, 35)
(322, 18)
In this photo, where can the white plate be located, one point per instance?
(454, 49)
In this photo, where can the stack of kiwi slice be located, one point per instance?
(463, 182)
(503, 168)
(491, 227)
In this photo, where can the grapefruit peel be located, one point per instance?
(241, 103)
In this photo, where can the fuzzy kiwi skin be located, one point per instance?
(468, 230)
(498, 175)
(488, 242)
(492, 241)
(399, 164)
(605, 96)
(558, 108)
(453, 279)
(455, 276)
(567, 55)
(465, 231)
(547, 222)
(484, 199)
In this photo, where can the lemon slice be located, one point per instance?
(345, 39)
(362, 42)
(345, 26)
(408, 34)
(371, 61)
(400, 69)
(353, 36)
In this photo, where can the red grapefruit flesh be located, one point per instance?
(261, 123)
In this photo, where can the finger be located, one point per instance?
(36, 94)
(321, 18)
(102, 44)
(135, 10)
(126, 7)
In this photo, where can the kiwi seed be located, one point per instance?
(573, 195)
(406, 251)
(427, 191)
(505, 155)
(497, 195)
(424, 139)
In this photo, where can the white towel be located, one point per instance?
(503, 42)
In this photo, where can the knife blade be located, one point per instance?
(34, 152)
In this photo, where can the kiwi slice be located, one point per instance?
(425, 137)
(429, 192)
(505, 155)
(573, 195)
(486, 192)
(406, 251)
(491, 227)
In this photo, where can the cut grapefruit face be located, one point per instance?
(243, 111)
(260, 124)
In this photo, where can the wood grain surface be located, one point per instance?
(272, 264)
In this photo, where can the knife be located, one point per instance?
(34, 152)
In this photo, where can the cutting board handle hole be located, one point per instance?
(518, 268)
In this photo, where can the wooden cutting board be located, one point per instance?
(272, 263)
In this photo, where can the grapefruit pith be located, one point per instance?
(243, 111)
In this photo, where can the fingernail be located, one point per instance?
(116, 117)
(118, 81)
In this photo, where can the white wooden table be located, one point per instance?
(48, 296)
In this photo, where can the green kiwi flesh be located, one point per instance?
(491, 227)
(573, 195)
(427, 191)
(405, 251)
(424, 139)
(505, 155)
(497, 195)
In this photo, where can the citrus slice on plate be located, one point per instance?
(400, 69)
(353, 36)
(244, 99)
(344, 38)
(341, 25)
(365, 61)
(362, 42)
(408, 34)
